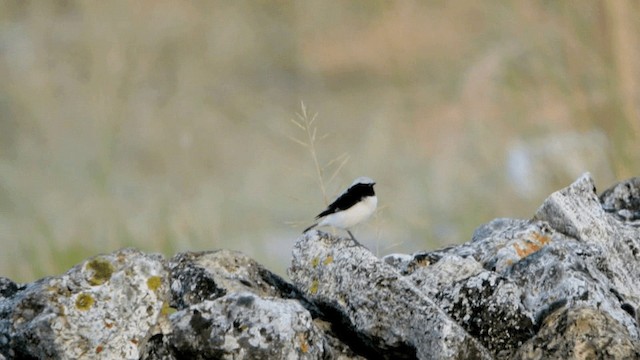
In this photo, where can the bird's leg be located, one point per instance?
(354, 239)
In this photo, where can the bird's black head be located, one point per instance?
(363, 186)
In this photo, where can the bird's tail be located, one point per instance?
(310, 227)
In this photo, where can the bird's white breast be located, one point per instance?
(353, 215)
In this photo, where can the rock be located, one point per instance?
(471, 282)
(489, 307)
(196, 277)
(390, 317)
(246, 326)
(7, 288)
(504, 284)
(580, 333)
(623, 201)
(205, 277)
(104, 307)
(564, 284)
(610, 249)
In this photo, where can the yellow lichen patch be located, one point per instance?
(84, 302)
(102, 271)
(154, 282)
(313, 289)
(167, 309)
(328, 260)
(315, 261)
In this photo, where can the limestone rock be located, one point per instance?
(196, 277)
(7, 288)
(390, 316)
(489, 307)
(623, 201)
(104, 307)
(208, 283)
(580, 333)
(564, 284)
(243, 325)
(577, 252)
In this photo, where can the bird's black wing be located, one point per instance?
(343, 202)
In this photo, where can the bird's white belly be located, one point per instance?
(353, 215)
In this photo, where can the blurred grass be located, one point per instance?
(164, 125)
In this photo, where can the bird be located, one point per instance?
(353, 206)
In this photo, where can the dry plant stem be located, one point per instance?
(306, 124)
(311, 136)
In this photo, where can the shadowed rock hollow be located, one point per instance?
(564, 284)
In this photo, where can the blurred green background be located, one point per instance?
(166, 125)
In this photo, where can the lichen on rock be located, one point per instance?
(564, 284)
(102, 306)
(99, 270)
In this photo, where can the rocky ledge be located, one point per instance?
(564, 284)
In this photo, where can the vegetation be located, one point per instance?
(164, 124)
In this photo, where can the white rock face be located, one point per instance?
(396, 319)
(244, 325)
(104, 307)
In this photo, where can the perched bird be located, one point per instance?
(353, 206)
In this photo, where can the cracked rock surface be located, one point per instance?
(563, 284)
(244, 325)
(103, 307)
(391, 317)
